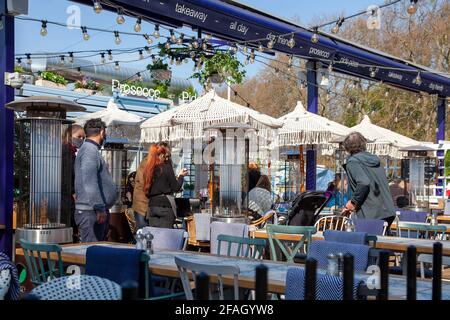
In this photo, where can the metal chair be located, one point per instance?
(376, 227)
(78, 287)
(262, 222)
(288, 248)
(425, 231)
(184, 266)
(331, 223)
(38, 270)
(168, 239)
(246, 247)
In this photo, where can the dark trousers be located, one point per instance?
(89, 229)
(141, 221)
(161, 217)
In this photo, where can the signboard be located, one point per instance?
(126, 89)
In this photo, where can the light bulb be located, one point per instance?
(190, 46)
(44, 29)
(372, 73)
(167, 45)
(97, 7)
(208, 37)
(180, 40)
(148, 50)
(412, 8)
(204, 46)
(117, 38)
(137, 26)
(19, 62)
(85, 34)
(245, 49)
(156, 33)
(117, 66)
(418, 79)
(120, 18)
(154, 59)
(110, 56)
(102, 58)
(315, 38)
(173, 37)
(246, 62)
(141, 55)
(192, 54)
(291, 42)
(335, 29)
(71, 57)
(62, 60)
(195, 44)
(147, 37)
(261, 48)
(330, 67)
(270, 44)
(171, 61)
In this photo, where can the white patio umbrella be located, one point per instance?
(301, 127)
(119, 123)
(383, 141)
(189, 120)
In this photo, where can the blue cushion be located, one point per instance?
(319, 250)
(327, 287)
(167, 239)
(14, 286)
(344, 236)
(116, 264)
(371, 226)
(413, 216)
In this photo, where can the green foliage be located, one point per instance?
(223, 64)
(53, 77)
(447, 163)
(19, 69)
(89, 84)
(158, 65)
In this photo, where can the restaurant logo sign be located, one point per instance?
(126, 89)
(395, 75)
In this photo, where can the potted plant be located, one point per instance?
(160, 71)
(88, 86)
(52, 80)
(220, 67)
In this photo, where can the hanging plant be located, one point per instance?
(220, 67)
(160, 71)
(53, 77)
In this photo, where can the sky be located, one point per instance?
(62, 39)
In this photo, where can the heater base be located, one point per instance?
(59, 235)
(241, 219)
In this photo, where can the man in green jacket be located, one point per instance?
(371, 198)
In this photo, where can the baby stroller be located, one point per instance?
(306, 208)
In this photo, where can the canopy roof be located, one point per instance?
(190, 120)
(119, 123)
(304, 127)
(384, 141)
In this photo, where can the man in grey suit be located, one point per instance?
(95, 189)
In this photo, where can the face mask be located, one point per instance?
(77, 142)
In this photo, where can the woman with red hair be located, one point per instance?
(160, 184)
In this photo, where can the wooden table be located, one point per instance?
(396, 244)
(2, 227)
(443, 219)
(163, 264)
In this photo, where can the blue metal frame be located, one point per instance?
(313, 106)
(440, 126)
(6, 132)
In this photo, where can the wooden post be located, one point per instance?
(348, 276)
(310, 282)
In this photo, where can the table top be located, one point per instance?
(396, 244)
(163, 263)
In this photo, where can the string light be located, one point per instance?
(270, 44)
(204, 46)
(29, 61)
(180, 39)
(147, 37)
(19, 62)
(85, 34)
(141, 54)
(102, 58)
(120, 18)
(315, 36)
(195, 43)
(137, 26)
(338, 25)
(148, 49)
(117, 66)
(97, 7)
(117, 38)
(173, 37)
(412, 8)
(330, 67)
(167, 45)
(110, 56)
(71, 57)
(153, 59)
(260, 48)
(44, 28)
(372, 72)
(62, 60)
(139, 76)
(291, 42)
(156, 33)
(418, 79)
(192, 54)
(245, 49)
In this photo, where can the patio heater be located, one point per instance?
(422, 171)
(44, 178)
(229, 172)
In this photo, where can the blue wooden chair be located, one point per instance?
(243, 247)
(35, 253)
